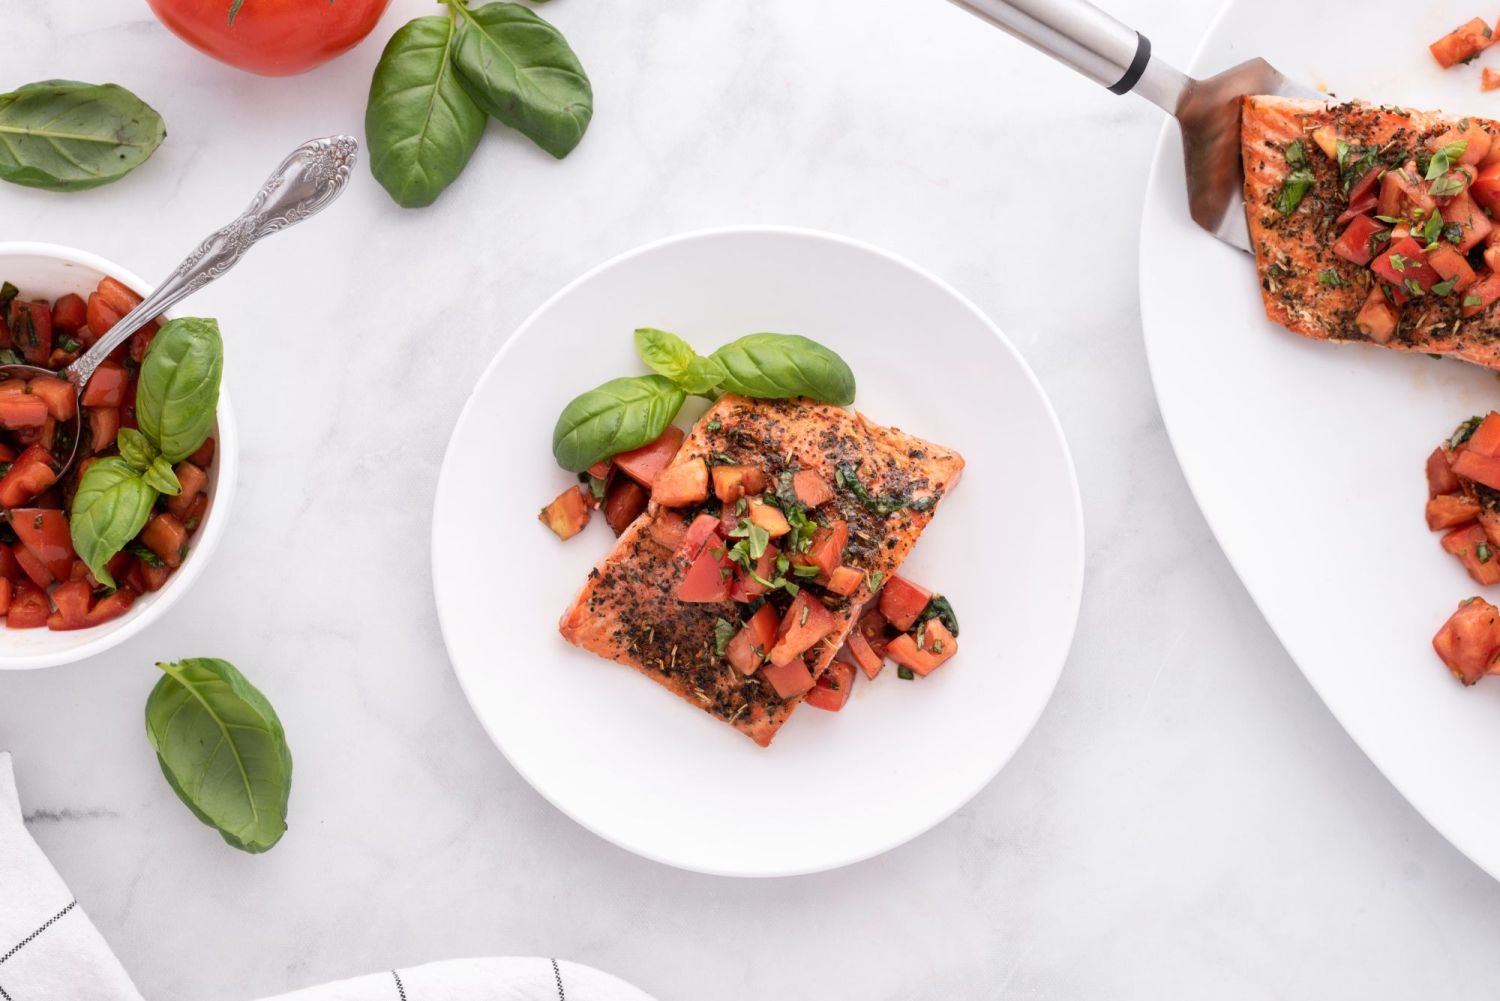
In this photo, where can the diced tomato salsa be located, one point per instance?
(42, 581)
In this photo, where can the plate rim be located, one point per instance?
(1415, 801)
(1076, 574)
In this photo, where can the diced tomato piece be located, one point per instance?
(845, 580)
(44, 532)
(1404, 195)
(120, 298)
(100, 315)
(789, 680)
(62, 402)
(872, 626)
(668, 529)
(22, 410)
(1472, 547)
(1406, 262)
(1364, 187)
(1470, 640)
(1450, 510)
(194, 480)
(1328, 140)
(1475, 138)
(770, 518)
(147, 576)
(600, 470)
(204, 457)
(1482, 294)
(901, 601)
(1377, 318)
(104, 427)
(811, 489)
(1489, 80)
(707, 580)
(31, 566)
(69, 313)
(72, 600)
(31, 330)
(9, 568)
(141, 340)
(195, 513)
(1485, 188)
(112, 606)
(118, 566)
(1447, 261)
(1479, 468)
(806, 622)
(752, 644)
(29, 607)
(1354, 243)
(10, 387)
(1486, 437)
(864, 655)
(733, 482)
(936, 647)
(1440, 476)
(642, 464)
(747, 588)
(1463, 210)
(624, 501)
(831, 691)
(681, 485)
(827, 549)
(29, 475)
(6, 588)
(566, 515)
(1462, 43)
(165, 536)
(703, 530)
(107, 386)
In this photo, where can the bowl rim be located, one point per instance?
(152, 606)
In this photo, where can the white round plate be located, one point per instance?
(648, 771)
(1307, 457)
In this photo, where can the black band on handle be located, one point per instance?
(1137, 66)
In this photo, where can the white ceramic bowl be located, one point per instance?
(46, 271)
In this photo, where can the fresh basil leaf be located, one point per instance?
(724, 631)
(1445, 186)
(62, 135)
(178, 390)
(421, 124)
(620, 415)
(783, 366)
(1296, 153)
(162, 477)
(938, 607)
(135, 449)
(222, 749)
(1293, 189)
(667, 354)
(110, 508)
(520, 70)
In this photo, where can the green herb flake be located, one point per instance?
(724, 631)
(1331, 278)
(905, 673)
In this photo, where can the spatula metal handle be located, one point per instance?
(1080, 35)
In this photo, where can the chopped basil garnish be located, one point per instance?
(1331, 278)
(1465, 431)
(723, 632)
(1415, 287)
(1444, 287)
(905, 673)
(1483, 552)
(1445, 186)
(1442, 160)
(1472, 300)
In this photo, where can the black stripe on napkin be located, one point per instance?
(557, 975)
(45, 925)
(400, 987)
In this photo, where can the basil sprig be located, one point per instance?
(627, 413)
(222, 749)
(439, 77)
(177, 394)
(62, 135)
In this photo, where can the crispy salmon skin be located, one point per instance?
(1309, 288)
(628, 610)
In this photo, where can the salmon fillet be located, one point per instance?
(628, 610)
(1291, 251)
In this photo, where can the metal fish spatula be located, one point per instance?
(1080, 35)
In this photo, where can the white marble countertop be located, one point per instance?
(1186, 821)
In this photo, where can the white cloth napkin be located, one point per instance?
(50, 951)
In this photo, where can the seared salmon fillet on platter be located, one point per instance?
(769, 533)
(1373, 223)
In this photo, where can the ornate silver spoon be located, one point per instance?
(310, 178)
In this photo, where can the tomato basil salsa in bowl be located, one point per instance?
(92, 552)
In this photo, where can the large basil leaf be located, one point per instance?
(222, 749)
(62, 135)
(520, 69)
(620, 415)
(110, 508)
(782, 366)
(421, 124)
(667, 354)
(178, 390)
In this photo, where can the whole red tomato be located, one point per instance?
(272, 37)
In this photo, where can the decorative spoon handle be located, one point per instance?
(310, 178)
